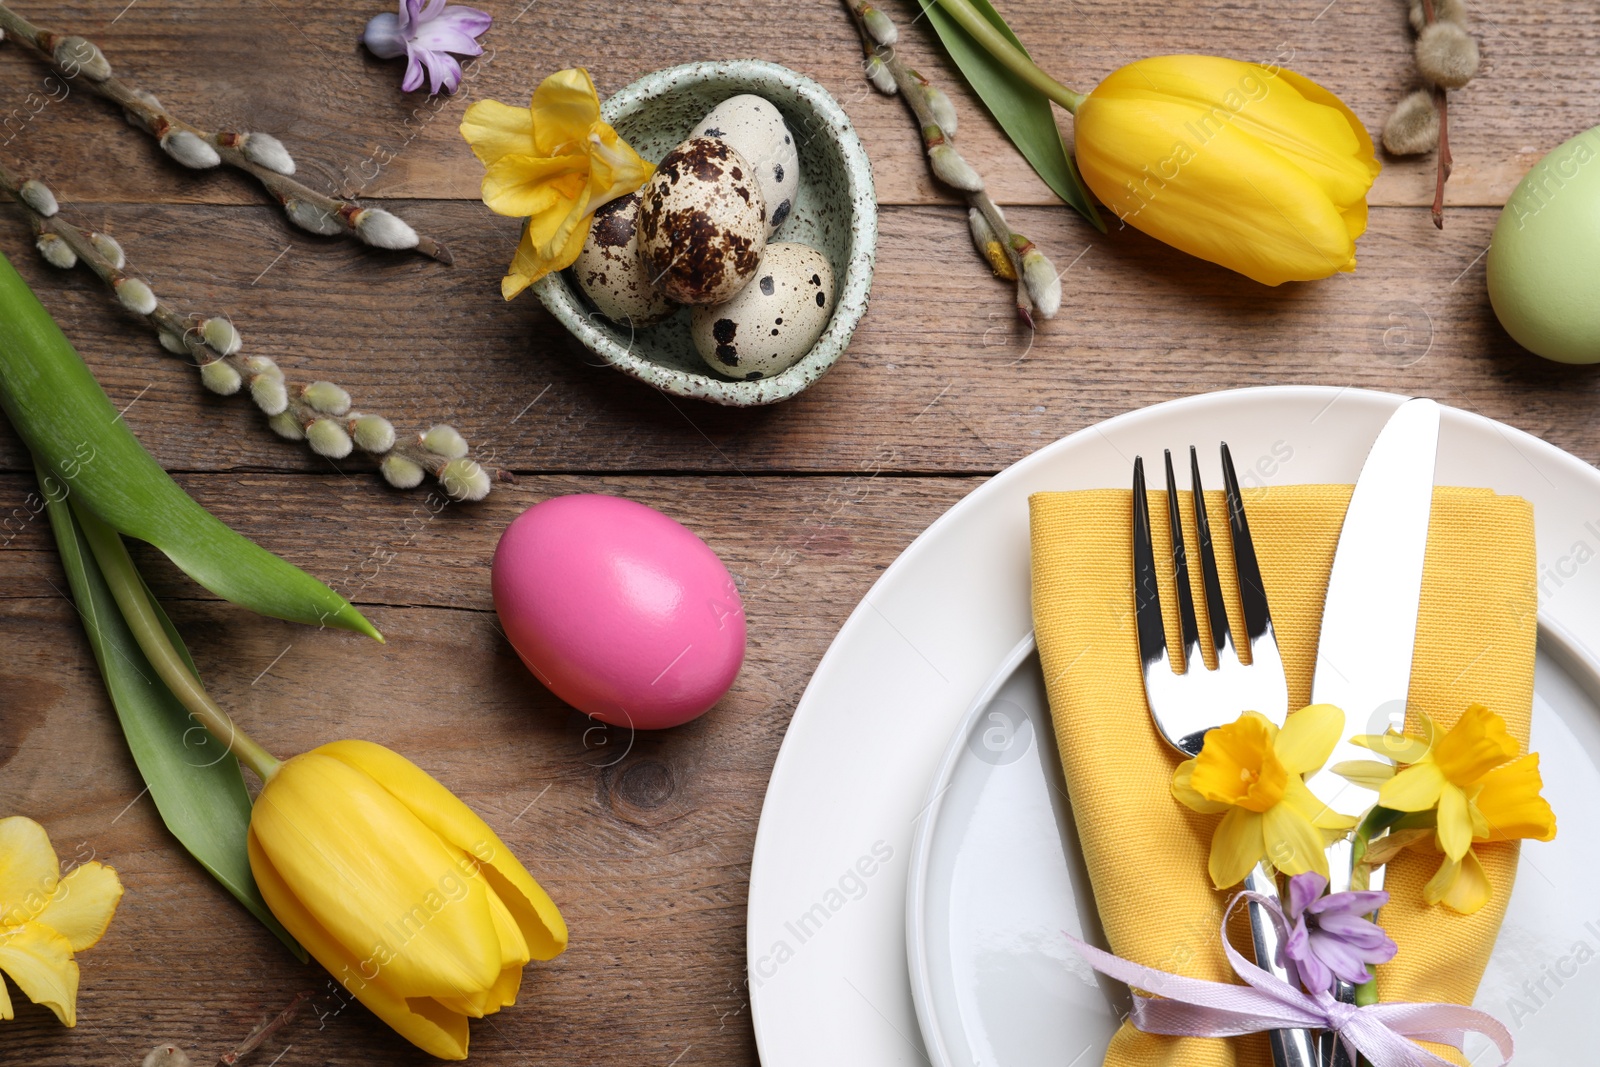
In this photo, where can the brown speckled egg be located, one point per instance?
(610, 274)
(772, 322)
(702, 223)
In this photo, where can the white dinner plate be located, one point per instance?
(996, 875)
(826, 921)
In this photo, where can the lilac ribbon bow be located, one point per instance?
(1384, 1033)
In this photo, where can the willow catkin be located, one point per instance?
(1413, 128)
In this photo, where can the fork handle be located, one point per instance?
(1290, 1048)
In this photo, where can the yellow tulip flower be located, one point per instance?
(1473, 780)
(45, 919)
(553, 163)
(1251, 773)
(1253, 167)
(398, 889)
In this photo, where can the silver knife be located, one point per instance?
(1369, 620)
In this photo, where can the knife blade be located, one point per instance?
(1369, 619)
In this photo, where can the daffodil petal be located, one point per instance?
(1474, 746)
(1416, 788)
(1236, 847)
(40, 961)
(1293, 845)
(564, 106)
(1461, 886)
(528, 185)
(28, 869)
(1313, 808)
(1365, 772)
(421, 1022)
(6, 1014)
(1455, 823)
(1188, 796)
(1511, 804)
(83, 903)
(1402, 748)
(1308, 736)
(444, 813)
(496, 130)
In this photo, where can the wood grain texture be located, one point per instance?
(644, 841)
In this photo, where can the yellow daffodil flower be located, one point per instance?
(45, 919)
(398, 889)
(552, 163)
(1250, 166)
(1472, 778)
(1252, 774)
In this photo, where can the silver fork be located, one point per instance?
(1186, 704)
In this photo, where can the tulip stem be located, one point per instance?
(133, 598)
(1014, 58)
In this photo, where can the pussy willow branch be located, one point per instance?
(1446, 163)
(265, 1029)
(80, 59)
(186, 329)
(914, 89)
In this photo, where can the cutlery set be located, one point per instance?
(1364, 646)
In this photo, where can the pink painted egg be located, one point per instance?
(620, 611)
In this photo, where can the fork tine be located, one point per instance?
(1189, 629)
(1252, 592)
(1151, 626)
(1216, 607)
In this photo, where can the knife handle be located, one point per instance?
(1290, 1048)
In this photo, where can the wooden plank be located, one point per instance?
(644, 841)
(939, 378)
(342, 114)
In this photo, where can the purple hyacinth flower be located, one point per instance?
(426, 32)
(1331, 936)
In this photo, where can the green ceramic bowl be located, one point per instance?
(835, 211)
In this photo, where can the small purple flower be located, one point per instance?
(1331, 935)
(426, 32)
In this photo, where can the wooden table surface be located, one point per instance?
(644, 841)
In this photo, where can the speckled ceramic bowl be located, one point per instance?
(835, 212)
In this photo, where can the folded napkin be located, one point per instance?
(1145, 852)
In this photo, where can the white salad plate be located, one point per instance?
(827, 919)
(996, 875)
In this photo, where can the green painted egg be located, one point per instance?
(1544, 258)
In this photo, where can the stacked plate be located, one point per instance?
(916, 860)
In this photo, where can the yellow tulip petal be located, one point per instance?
(1293, 845)
(431, 1029)
(1365, 772)
(28, 869)
(1236, 847)
(513, 946)
(1308, 736)
(564, 106)
(529, 185)
(1186, 794)
(1402, 748)
(1511, 805)
(1474, 746)
(536, 914)
(1460, 885)
(495, 130)
(40, 961)
(83, 903)
(1455, 823)
(1415, 788)
(509, 986)
(376, 876)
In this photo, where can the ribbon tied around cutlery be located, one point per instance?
(1195, 1007)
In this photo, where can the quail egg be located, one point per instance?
(702, 223)
(609, 272)
(774, 320)
(756, 130)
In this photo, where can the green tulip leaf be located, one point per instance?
(196, 785)
(1023, 112)
(76, 434)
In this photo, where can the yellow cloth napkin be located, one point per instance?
(1146, 853)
